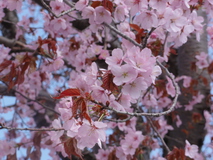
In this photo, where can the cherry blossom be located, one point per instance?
(102, 15)
(170, 87)
(102, 154)
(90, 134)
(134, 88)
(104, 76)
(80, 5)
(123, 74)
(149, 17)
(136, 5)
(116, 58)
(120, 13)
(57, 6)
(202, 60)
(191, 150)
(6, 148)
(14, 4)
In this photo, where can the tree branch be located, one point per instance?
(61, 14)
(31, 129)
(158, 134)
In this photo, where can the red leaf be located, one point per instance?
(12, 157)
(85, 112)
(96, 4)
(210, 67)
(5, 64)
(69, 92)
(107, 5)
(70, 147)
(37, 139)
(135, 27)
(36, 154)
(108, 82)
(176, 154)
(196, 117)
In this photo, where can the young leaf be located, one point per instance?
(69, 92)
(70, 147)
(108, 82)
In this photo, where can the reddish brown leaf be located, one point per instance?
(108, 82)
(185, 131)
(85, 112)
(112, 155)
(70, 147)
(69, 92)
(37, 139)
(108, 5)
(176, 153)
(210, 67)
(196, 117)
(135, 27)
(5, 64)
(193, 66)
(173, 51)
(205, 80)
(12, 157)
(51, 44)
(96, 4)
(36, 154)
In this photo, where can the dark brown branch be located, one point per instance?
(158, 134)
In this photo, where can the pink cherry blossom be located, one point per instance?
(120, 13)
(14, 4)
(81, 4)
(120, 154)
(123, 74)
(116, 58)
(134, 88)
(89, 12)
(170, 87)
(100, 94)
(115, 105)
(175, 20)
(90, 134)
(58, 24)
(158, 4)
(6, 148)
(131, 142)
(102, 154)
(72, 126)
(164, 127)
(57, 6)
(190, 150)
(149, 17)
(178, 121)
(58, 63)
(202, 60)
(136, 5)
(102, 15)
(55, 135)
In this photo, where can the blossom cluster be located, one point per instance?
(112, 69)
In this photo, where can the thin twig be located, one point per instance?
(36, 102)
(61, 14)
(123, 35)
(31, 129)
(147, 36)
(119, 120)
(71, 4)
(156, 131)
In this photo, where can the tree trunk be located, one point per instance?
(193, 122)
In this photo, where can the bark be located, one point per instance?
(193, 131)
